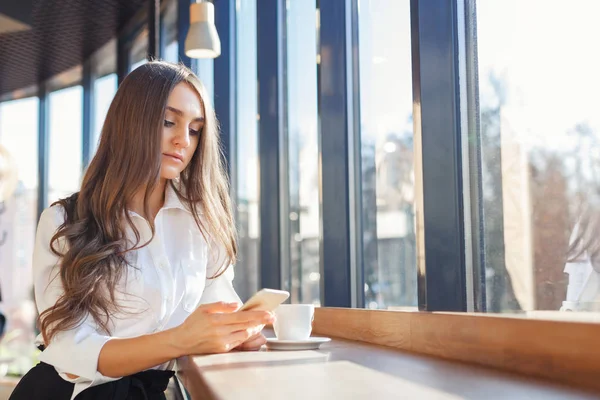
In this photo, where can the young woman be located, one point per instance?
(122, 266)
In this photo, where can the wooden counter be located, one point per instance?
(344, 369)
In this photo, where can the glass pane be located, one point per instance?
(205, 71)
(104, 91)
(389, 250)
(172, 52)
(64, 171)
(540, 135)
(18, 221)
(246, 272)
(303, 152)
(169, 32)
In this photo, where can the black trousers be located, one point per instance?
(42, 382)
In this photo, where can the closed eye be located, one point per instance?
(194, 132)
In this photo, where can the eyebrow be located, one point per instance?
(180, 113)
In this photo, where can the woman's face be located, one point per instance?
(182, 126)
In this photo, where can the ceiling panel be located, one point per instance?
(63, 33)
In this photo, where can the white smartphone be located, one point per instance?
(265, 300)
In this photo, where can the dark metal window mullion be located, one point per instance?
(337, 97)
(270, 24)
(441, 280)
(183, 24)
(225, 85)
(475, 160)
(153, 51)
(123, 58)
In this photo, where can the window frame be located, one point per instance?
(273, 193)
(338, 99)
(442, 282)
(438, 171)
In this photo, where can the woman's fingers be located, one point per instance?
(235, 339)
(254, 343)
(254, 317)
(219, 307)
(251, 327)
(218, 328)
(243, 333)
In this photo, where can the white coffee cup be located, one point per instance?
(294, 321)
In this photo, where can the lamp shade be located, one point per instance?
(202, 40)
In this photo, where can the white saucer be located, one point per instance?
(311, 343)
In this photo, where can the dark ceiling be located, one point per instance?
(62, 34)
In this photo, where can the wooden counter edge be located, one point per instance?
(562, 351)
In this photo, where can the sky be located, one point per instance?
(547, 53)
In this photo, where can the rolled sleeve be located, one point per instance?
(75, 351)
(219, 288)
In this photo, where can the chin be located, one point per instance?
(168, 173)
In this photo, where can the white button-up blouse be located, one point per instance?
(167, 281)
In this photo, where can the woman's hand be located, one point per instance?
(254, 343)
(216, 328)
(212, 328)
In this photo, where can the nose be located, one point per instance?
(182, 137)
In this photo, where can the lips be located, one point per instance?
(174, 156)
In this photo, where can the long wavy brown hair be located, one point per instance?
(128, 160)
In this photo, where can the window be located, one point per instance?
(247, 190)
(303, 279)
(172, 52)
(18, 214)
(540, 141)
(389, 249)
(18, 221)
(104, 91)
(64, 173)
(205, 71)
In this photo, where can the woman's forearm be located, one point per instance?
(122, 357)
